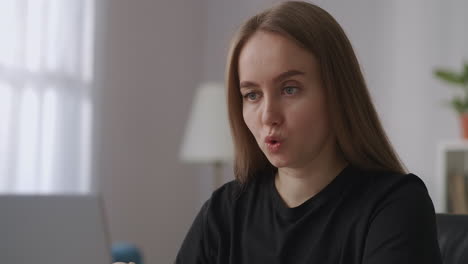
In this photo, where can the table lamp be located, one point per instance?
(207, 136)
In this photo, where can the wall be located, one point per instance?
(148, 70)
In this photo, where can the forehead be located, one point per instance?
(267, 54)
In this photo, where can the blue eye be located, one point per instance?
(251, 96)
(290, 90)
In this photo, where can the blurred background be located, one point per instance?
(99, 96)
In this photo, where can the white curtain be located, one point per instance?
(46, 108)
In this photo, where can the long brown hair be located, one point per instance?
(359, 133)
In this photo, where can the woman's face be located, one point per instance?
(284, 102)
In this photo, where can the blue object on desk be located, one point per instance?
(126, 252)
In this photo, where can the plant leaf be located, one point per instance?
(465, 73)
(449, 76)
(460, 104)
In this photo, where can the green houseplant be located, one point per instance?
(458, 103)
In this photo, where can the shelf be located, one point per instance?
(452, 158)
(453, 145)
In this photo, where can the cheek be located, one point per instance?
(250, 120)
(311, 118)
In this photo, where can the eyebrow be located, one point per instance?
(282, 76)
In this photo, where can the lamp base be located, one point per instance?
(218, 174)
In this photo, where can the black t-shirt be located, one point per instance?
(359, 217)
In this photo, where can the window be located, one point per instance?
(46, 108)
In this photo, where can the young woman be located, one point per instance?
(317, 180)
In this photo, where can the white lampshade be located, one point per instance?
(207, 136)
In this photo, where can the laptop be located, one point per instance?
(49, 229)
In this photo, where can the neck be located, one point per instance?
(296, 185)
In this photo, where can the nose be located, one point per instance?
(272, 113)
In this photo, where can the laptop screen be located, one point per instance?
(49, 229)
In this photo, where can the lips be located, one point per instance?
(273, 143)
(272, 140)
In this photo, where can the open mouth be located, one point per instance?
(273, 145)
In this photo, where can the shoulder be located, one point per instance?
(219, 212)
(227, 194)
(405, 193)
(401, 227)
(387, 184)
(225, 198)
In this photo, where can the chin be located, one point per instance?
(278, 163)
